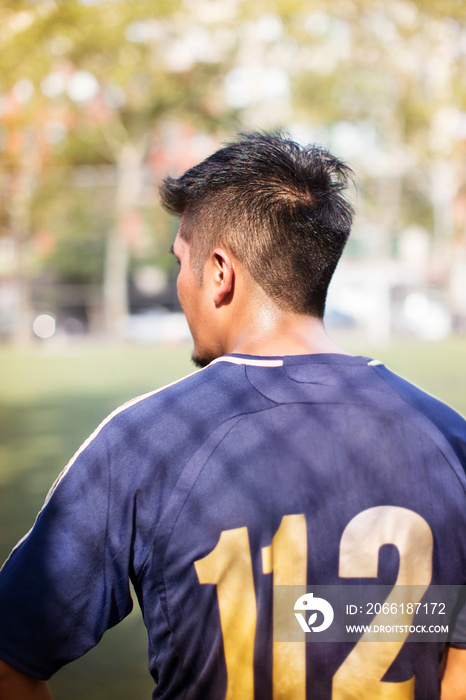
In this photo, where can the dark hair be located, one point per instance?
(277, 206)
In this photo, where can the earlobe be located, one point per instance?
(224, 271)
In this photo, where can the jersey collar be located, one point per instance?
(327, 359)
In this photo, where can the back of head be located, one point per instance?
(277, 206)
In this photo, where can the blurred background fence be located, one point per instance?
(100, 99)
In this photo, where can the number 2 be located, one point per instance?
(360, 674)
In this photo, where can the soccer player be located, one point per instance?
(282, 461)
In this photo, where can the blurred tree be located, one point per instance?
(387, 81)
(127, 87)
(110, 77)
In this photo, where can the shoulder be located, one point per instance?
(436, 410)
(170, 419)
(444, 418)
(219, 386)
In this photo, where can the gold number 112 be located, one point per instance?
(229, 567)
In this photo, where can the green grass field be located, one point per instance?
(51, 400)
(49, 403)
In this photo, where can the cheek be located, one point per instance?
(180, 288)
(185, 295)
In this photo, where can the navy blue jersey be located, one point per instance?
(248, 473)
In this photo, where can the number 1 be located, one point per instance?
(229, 567)
(286, 558)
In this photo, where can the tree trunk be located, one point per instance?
(19, 209)
(130, 177)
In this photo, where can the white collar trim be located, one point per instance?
(249, 361)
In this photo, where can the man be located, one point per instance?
(285, 461)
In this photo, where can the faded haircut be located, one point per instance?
(279, 207)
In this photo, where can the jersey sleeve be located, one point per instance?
(68, 580)
(448, 421)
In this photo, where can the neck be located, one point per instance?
(274, 332)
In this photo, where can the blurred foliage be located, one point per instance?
(79, 222)
(133, 90)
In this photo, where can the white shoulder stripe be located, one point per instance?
(105, 422)
(91, 437)
(374, 363)
(249, 361)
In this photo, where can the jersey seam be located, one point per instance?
(423, 430)
(235, 420)
(162, 589)
(258, 391)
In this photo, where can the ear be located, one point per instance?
(223, 276)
